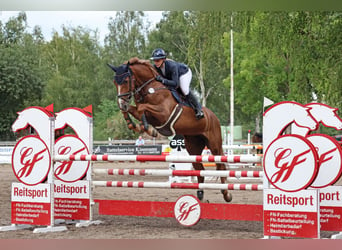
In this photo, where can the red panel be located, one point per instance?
(136, 208)
(241, 212)
(244, 212)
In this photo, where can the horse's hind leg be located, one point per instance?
(226, 195)
(195, 145)
(216, 149)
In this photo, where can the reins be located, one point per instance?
(143, 86)
(134, 89)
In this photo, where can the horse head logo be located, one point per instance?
(281, 115)
(323, 114)
(36, 117)
(326, 115)
(76, 119)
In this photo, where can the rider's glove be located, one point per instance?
(166, 82)
(159, 78)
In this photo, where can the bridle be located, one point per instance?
(134, 88)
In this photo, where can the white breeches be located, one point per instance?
(184, 81)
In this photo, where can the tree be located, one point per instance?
(207, 58)
(171, 35)
(79, 76)
(127, 37)
(22, 75)
(285, 56)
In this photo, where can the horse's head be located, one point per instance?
(130, 80)
(123, 84)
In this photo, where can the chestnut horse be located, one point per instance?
(157, 110)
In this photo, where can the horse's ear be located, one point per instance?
(112, 67)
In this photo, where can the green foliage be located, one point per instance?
(126, 37)
(285, 56)
(109, 123)
(22, 75)
(79, 76)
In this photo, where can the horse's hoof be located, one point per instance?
(200, 194)
(228, 197)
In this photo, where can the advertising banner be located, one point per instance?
(331, 208)
(128, 149)
(72, 200)
(31, 204)
(291, 214)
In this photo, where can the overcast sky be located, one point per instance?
(53, 20)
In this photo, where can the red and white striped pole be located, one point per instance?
(163, 158)
(165, 172)
(168, 185)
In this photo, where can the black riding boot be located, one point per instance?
(195, 105)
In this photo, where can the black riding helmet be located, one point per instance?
(158, 54)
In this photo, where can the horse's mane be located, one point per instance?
(136, 60)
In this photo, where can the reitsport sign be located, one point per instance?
(291, 214)
(297, 166)
(47, 192)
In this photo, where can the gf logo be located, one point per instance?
(28, 162)
(291, 168)
(31, 160)
(70, 171)
(286, 168)
(187, 210)
(65, 166)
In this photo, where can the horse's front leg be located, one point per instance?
(140, 116)
(130, 123)
(144, 124)
(148, 128)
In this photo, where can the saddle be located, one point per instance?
(179, 97)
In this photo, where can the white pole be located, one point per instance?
(231, 83)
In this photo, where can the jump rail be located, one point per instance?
(158, 172)
(162, 158)
(242, 147)
(168, 185)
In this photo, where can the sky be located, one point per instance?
(51, 21)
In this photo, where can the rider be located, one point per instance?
(175, 74)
